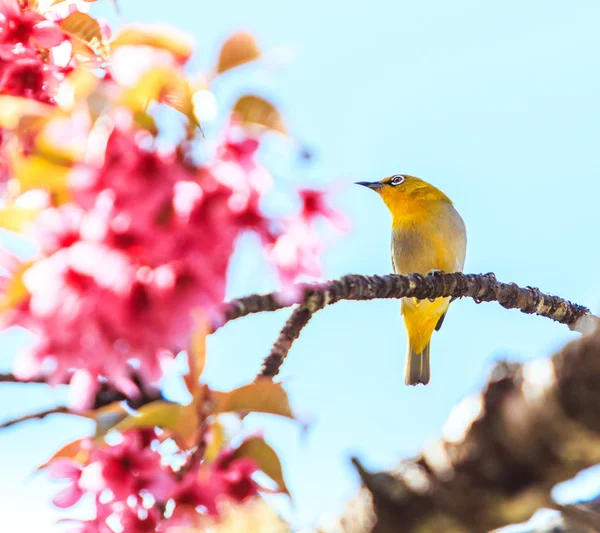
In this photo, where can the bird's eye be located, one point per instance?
(396, 180)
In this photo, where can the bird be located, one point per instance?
(428, 234)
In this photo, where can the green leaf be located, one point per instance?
(107, 418)
(15, 218)
(252, 109)
(47, 171)
(165, 38)
(161, 84)
(262, 396)
(180, 420)
(215, 440)
(84, 30)
(266, 459)
(72, 450)
(240, 48)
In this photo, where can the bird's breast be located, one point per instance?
(435, 240)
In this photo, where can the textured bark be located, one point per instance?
(314, 297)
(501, 453)
(480, 287)
(290, 332)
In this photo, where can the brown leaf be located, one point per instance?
(262, 396)
(252, 109)
(266, 459)
(14, 108)
(72, 450)
(164, 38)
(84, 30)
(240, 48)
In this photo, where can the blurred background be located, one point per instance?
(496, 104)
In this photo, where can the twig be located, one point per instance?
(36, 416)
(11, 378)
(501, 453)
(480, 287)
(290, 332)
(105, 396)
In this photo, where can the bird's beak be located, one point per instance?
(373, 185)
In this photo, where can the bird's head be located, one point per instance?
(403, 193)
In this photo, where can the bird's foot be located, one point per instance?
(434, 272)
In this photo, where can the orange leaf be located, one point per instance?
(240, 48)
(266, 459)
(263, 396)
(165, 38)
(252, 109)
(72, 450)
(15, 291)
(197, 355)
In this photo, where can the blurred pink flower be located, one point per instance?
(69, 470)
(128, 468)
(227, 478)
(314, 204)
(22, 26)
(23, 73)
(137, 519)
(296, 251)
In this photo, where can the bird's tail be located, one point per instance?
(417, 366)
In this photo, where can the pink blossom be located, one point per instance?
(228, 478)
(296, 251)
(137, 519)
(71, 471)
(128, 468)
(146, 241)
(23, 73)
(314, 204)
(25, 26)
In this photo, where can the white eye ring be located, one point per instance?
(397, 180)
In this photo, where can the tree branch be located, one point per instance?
(11, 378)
(39, 416)
(501, 453)
(480, 287)
(290, 332)
(105, 396)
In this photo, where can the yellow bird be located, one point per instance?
(427, 234)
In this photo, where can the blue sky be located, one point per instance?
(495, 103)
